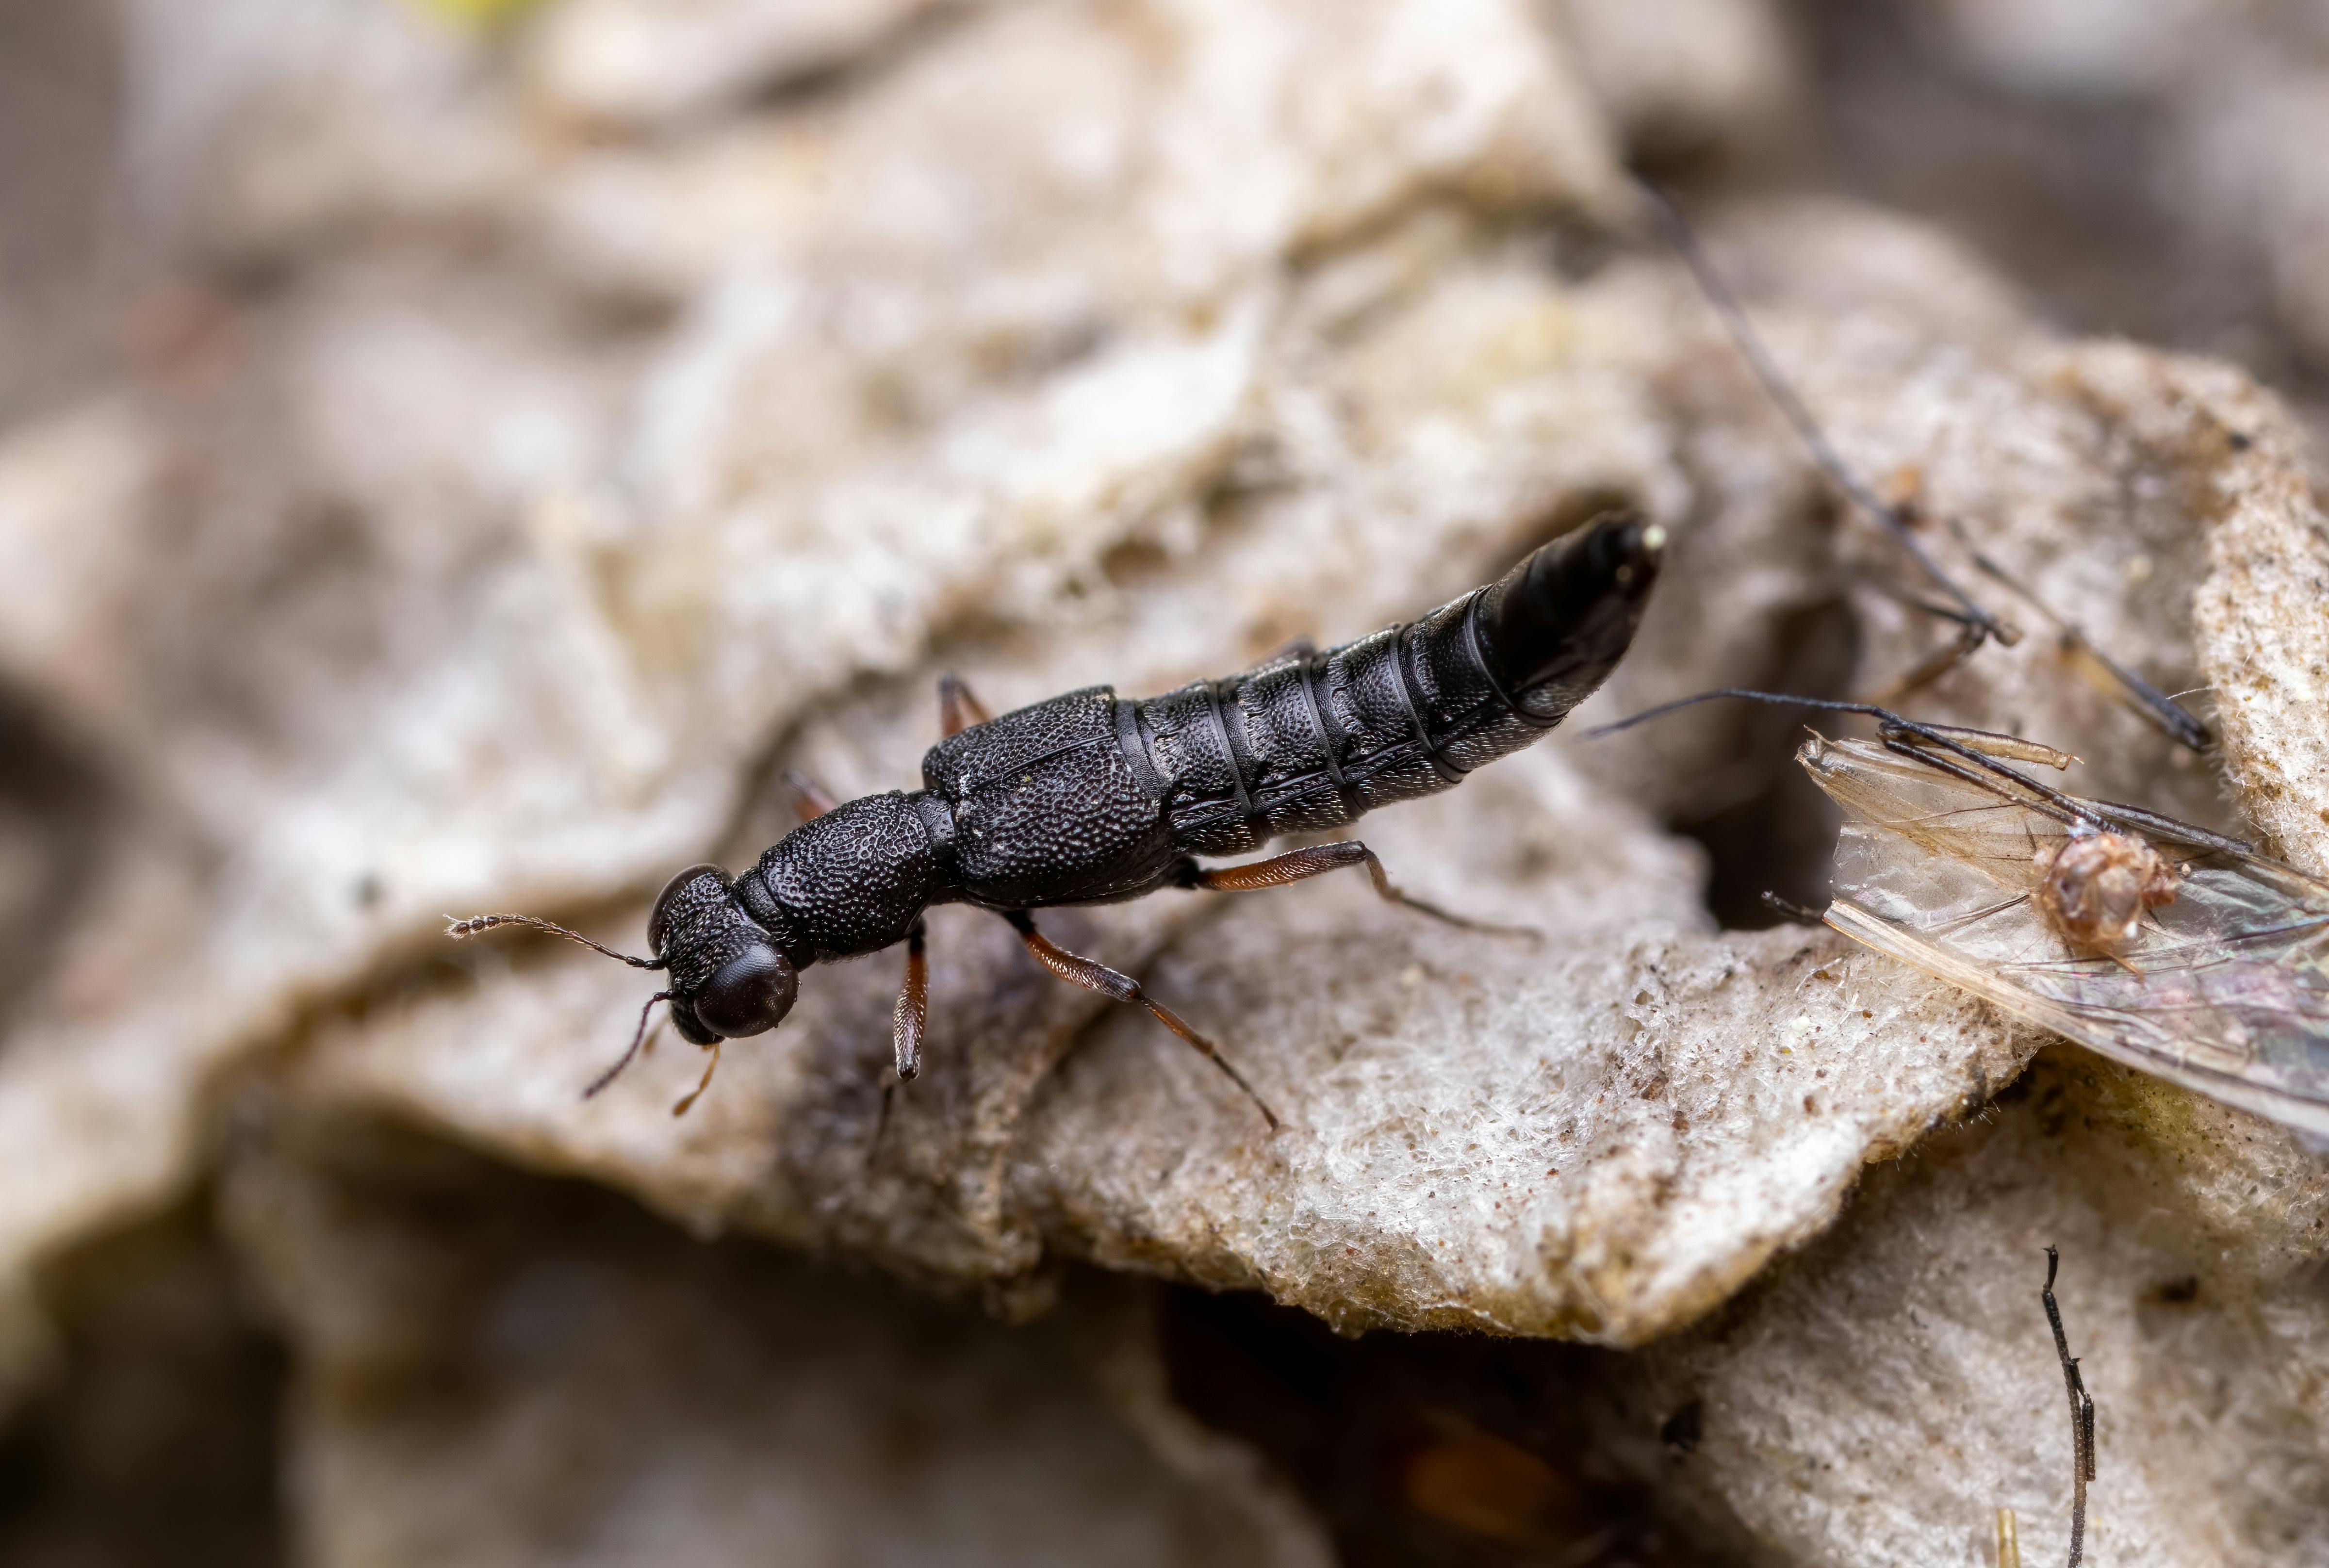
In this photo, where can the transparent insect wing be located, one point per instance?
(2224, 988)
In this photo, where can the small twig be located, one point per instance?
(2082, 1416)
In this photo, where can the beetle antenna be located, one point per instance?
(639, 1039)
(478, 925)
(1758, 359)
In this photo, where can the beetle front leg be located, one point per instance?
(913, 1009)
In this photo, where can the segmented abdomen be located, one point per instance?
(1311, 744)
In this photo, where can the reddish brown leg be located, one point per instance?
(639, 1041)
(1967, 642)
(693, 1095)
(913, 1009)
(1098, 977)
(1300, 865)
(811, 799)
(957, 709)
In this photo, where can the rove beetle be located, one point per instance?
(1091, 798)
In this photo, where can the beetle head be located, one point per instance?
(728, 980)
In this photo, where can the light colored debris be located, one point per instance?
(1884, 1395)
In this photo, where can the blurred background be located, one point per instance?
(315, 313)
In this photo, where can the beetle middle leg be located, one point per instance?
(1098, 977)
(811, 799)
(957, 709)
(1300, 865)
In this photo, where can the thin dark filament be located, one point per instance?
(639, 1039)
(2082, 1416)
(1800, 914)
(1892, 730)
(2052, 803)
(478, 925)
(2163, 711)
(1767, 371)
(1901, 596)
(2162, 827)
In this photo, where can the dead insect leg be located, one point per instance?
(1299, 865)
(811, 799)
(2101, 671)
(913, 1009)
(957, 709)
(1957, 651)
(1098, 977)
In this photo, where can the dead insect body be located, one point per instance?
(2172, 949)
(1090, 798)
(2163, 945)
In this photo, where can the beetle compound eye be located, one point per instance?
(748, 995)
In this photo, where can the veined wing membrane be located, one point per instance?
(2224, 988)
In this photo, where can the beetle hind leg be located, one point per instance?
(957, 709)
(1096, 976)
(1301, 865)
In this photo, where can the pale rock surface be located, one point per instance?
(566, 584)
(1601, 1138)
(1678, 77)
(2230, 96)
(1879, 1398)
(639, 63)
(552, 508)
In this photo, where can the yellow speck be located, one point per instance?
(476, 14)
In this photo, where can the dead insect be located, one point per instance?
(1091, 799)
(2170, 948)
